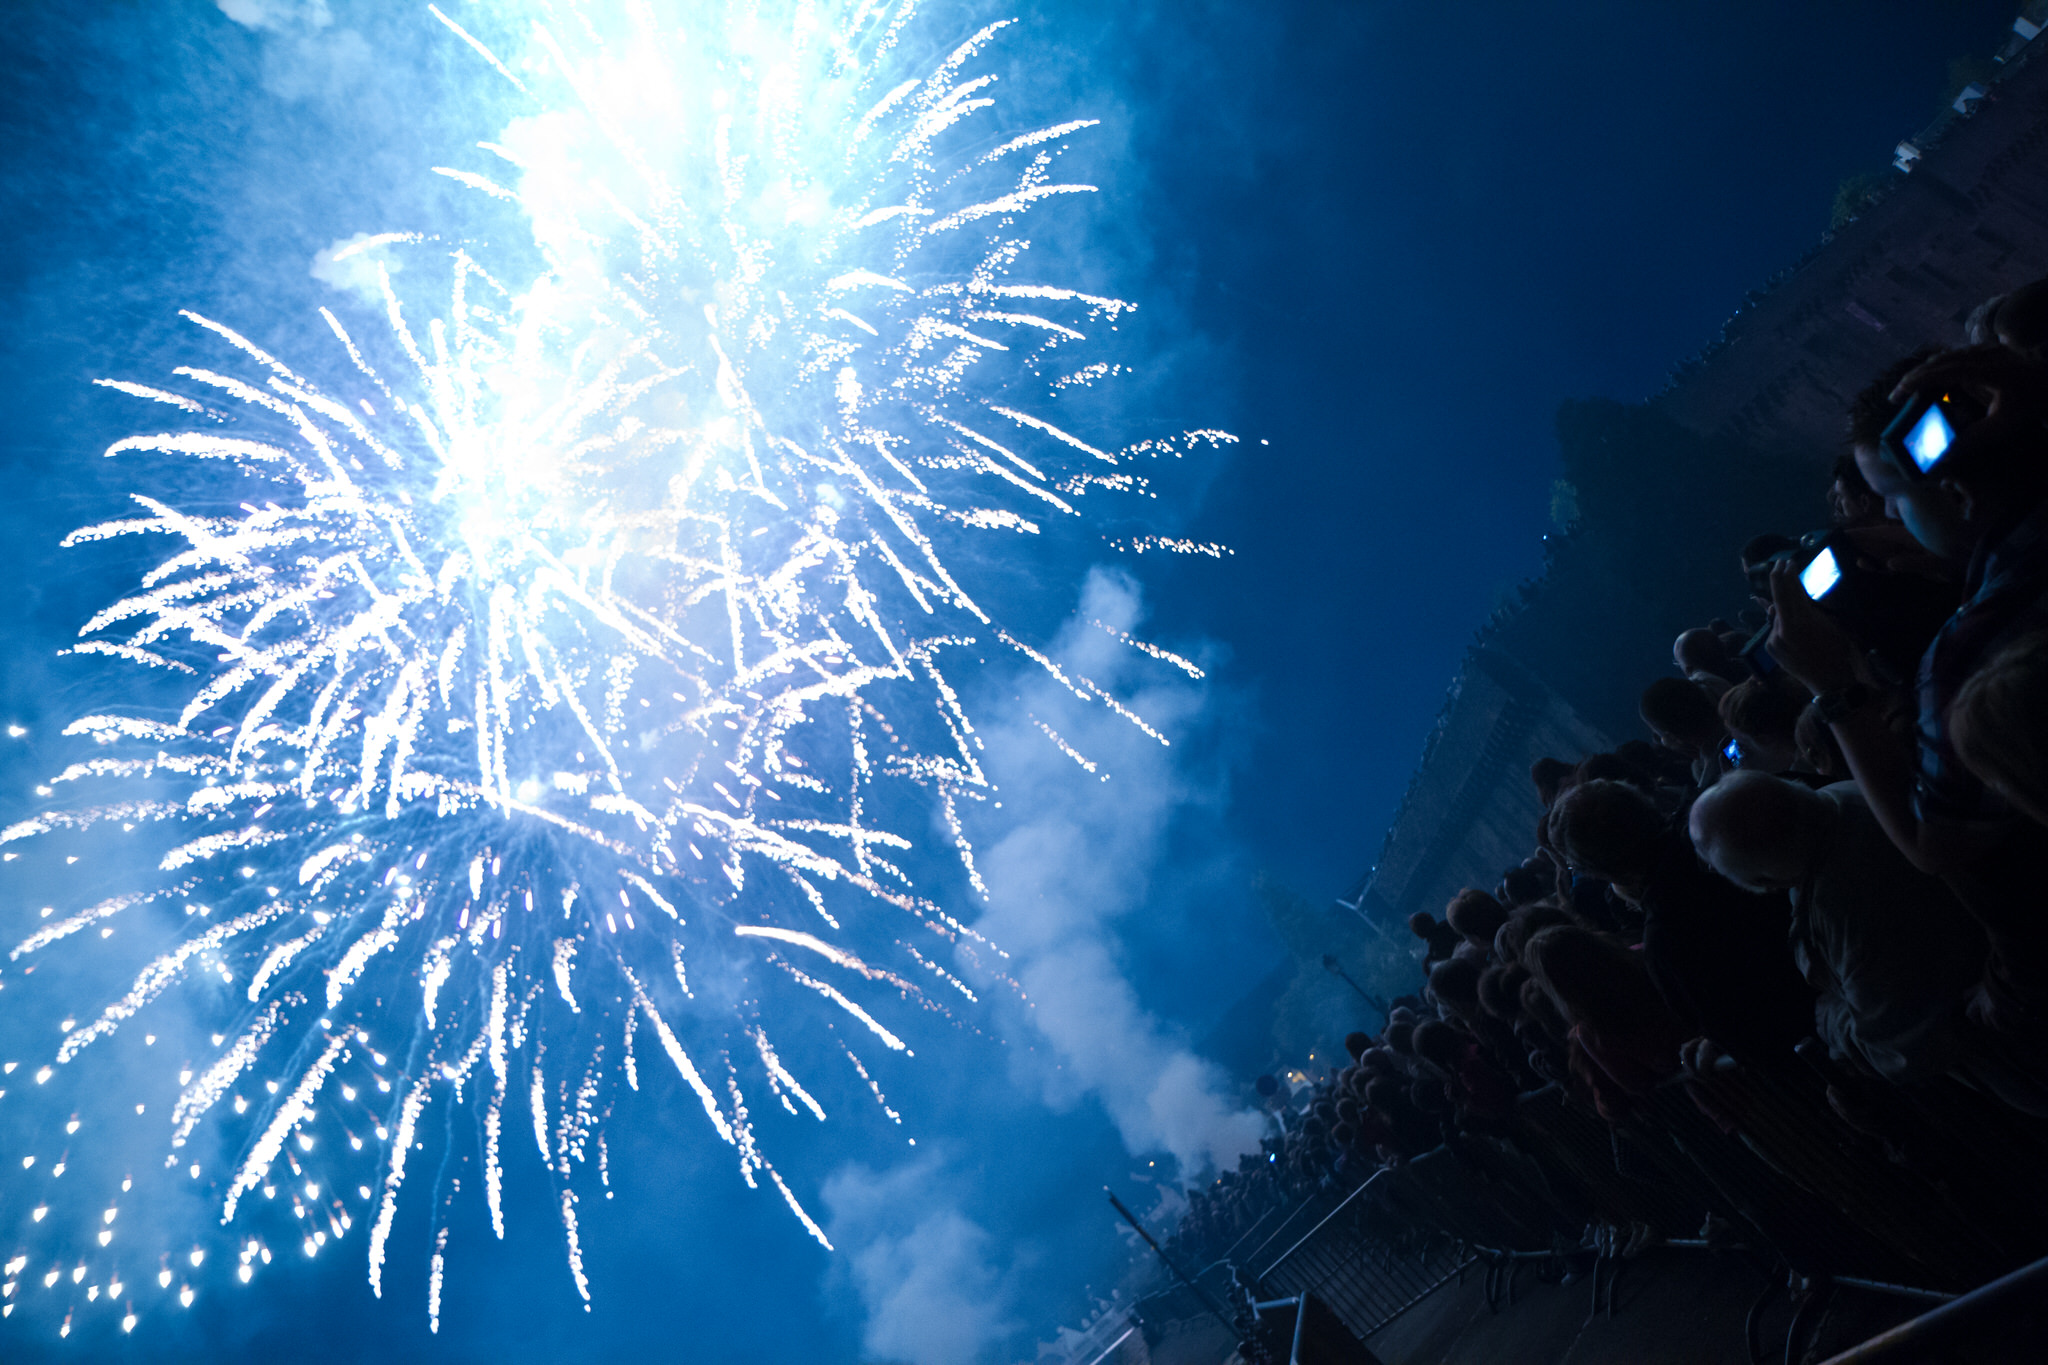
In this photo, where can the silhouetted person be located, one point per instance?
(1682, 716)
(1717, 953)
(1441, 939)
(1889, 950)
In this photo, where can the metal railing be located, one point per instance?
(1948, 1196)
(1981, 1322)
(1364, 1259)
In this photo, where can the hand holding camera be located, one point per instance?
(1965, 406)
(1805, 641)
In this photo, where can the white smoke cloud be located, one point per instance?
(1083, 853)
(346, 265)
(925, 1273)
(277, 16)
(1078, 852)
(305, 57)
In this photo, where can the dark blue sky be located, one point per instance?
(1380, 241)
(1414, 229)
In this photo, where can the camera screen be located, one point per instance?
(1732, 751)
(1820, 576)
(1929, 440)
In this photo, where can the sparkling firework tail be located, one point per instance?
(576, 632)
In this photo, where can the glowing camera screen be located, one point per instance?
(1820, 577)
(1929, 439)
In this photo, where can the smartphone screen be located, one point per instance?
(1732, 751)
(1820, 576)
(1929, 439)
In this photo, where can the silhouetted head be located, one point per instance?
(1997, 469)
(1927, 509)
(1525, 922)
(1456, 984)
(1594, 979)
(1760, 832)
(1266, 1087)
(1682, 716)
(1609, 830)
(2019, 322)
(1388, 1094)
(1549, 774)
(1476, 915)
(1356, 1044)
(1999, 724)
(1851, 500)
(1499, 987)
(1612, 767)
(1523, 885)
(1760, 550)
(1700, 650)
(1647, 760)
(1428, 1096)
(1539, 1007)
(1872, 409)
(1438, 1043)
(1977, 326)
(1764, 718)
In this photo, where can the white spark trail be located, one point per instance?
(206, 1092)
(290, 1115)
(387, 1208)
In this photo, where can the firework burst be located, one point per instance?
(574, 666)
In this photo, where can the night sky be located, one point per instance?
(1380, 240)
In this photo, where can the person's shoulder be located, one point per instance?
(1859, 837)
(2031, 532)
(2016, 561)
(1845, 794)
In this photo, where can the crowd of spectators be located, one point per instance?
(1836, 826)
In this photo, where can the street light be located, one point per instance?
(1330, 965)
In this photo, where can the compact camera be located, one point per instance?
(1924, 431)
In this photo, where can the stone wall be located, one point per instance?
(1969, 221)
(1471, 811)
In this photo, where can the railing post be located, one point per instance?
(1912, 1340)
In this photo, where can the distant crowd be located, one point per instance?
(1836, 827)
